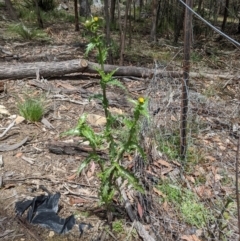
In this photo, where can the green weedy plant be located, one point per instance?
(113, 169)
(27, 33)
(31, 109)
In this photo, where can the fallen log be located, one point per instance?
(53, 69)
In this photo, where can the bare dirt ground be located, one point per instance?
(34, 167)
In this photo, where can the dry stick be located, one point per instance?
(8, 128)
(237, 192)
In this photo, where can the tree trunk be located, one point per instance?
(112, 10)
(84, 10)
(154, 20)
(124, 32)
(107, 26)
(178, 21)
(11, 10)
(225, 16)
(76, 15)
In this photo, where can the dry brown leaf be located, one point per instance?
(173, 118)
(190, 178)
(19, 154)
(159, 192)
(66, 85)
(115, 110)
(222, 147)
(19, 119)
(78, 200)
(203, 192)
(190, 238)
(166, 170)
(72, 177)
(210, 158)
(140, 210)
(96, 120)
(176, 163)
(163, 163)
(165, 206)
(217, 177)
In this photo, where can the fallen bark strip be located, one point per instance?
(61, 148)
(6, 147)
(51, 69)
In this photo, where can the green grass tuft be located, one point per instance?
(32, 110)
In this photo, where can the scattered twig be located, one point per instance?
(6, 232)
(130, 231)
(80, 195)
(28, 159)
(8, 128)
(111, 234)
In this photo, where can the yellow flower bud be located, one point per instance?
(95, 19)
(141, 100)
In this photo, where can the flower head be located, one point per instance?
(141, 100)
(87, 23)
(95, 19)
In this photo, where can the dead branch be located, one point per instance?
(51, 69)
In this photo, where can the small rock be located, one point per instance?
(51, 234)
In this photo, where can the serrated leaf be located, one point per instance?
(124, 173)
(116, 82)
(85, 163)
(106, 174)
(90, 47)
(72, 132)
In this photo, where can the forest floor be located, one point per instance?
(33, 168)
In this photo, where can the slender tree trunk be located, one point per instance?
(225, 16)
(140, 8)
(154, 20)
(108, 37)
(11, 10)
(178, 21)
(76, 15)
(112, 11)
(199, 8)
(123, 40)
(39, 18)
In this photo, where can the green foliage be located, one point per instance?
(26, 33)
(191, 210)
(117, 226)
(169, 145)
(196, 57)
(117, 147)
(31, 109)
(60, 15)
